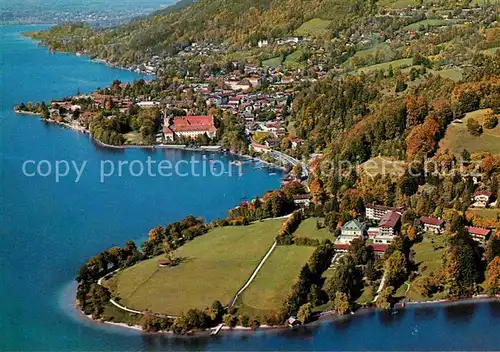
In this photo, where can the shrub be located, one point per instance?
(491, 121)
(474, 127)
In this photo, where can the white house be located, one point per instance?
(432, 224)
(481, 199)
(302, 200)
(479, 234)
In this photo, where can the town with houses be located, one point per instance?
(261, 97)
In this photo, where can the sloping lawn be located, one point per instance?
(427, 23)
(455, 74)
(429, 252)
(273, 282)
(292, 60)
(307, 228)
(458, 138)
(214, 267)
(272, 62)
(386, 65)
(315, 26)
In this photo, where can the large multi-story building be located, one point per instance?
(189, 127)
(376, 212)
(388, 228)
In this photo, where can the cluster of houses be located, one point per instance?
(388, 220)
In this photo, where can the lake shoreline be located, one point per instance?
(323, 318)
(212, 149)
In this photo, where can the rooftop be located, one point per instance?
(390, 219)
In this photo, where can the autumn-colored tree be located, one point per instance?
(395, 268)
(305, 312)
(474, 127)
(417, 110)
(293, 187)
(492, 247)
(492, 283)
(317, 190)
(341, 303)
(384, 300)
(490, 120)
(422, 140)
(461, 266)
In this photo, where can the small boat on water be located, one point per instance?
(236, 162)
(272, 173)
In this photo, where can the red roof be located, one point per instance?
(341, 246)
(431, 220)
(378, 247)
(480, 231)
(390, 219)
(482, 193)
(301, 196)
(192, 123)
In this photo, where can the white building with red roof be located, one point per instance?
(432, 224)
(389, 227)
(479, 234)
(376, 212)
(481, 199)
(189, 127)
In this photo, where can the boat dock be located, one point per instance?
(216, 330)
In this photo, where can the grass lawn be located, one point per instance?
(380, 165)
(367, 52)
(313, 27)
(214, 267)
(133, 138)
(293, 59)
(428, 255)
(272, 62)
(454, 74)
(397, 4)
(364, 53)
(429, 252)
(386, 65)
(458, 138)
(273, 282)
(485, 213)
(427, 23)
(490, 51)
(367, 296)
(307, 228)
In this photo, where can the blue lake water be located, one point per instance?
(48, 229)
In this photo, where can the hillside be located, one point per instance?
(237, 22)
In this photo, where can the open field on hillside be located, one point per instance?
(427, 23)
(273, 282)
(272, 62)
(490, 51)
(214, 267)
(454, 74)
(386, 65)
(313, 27)
(293, 59)
(397, 4)
(458, 138)
(381, 165)
(307, 228)
(491, 213)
